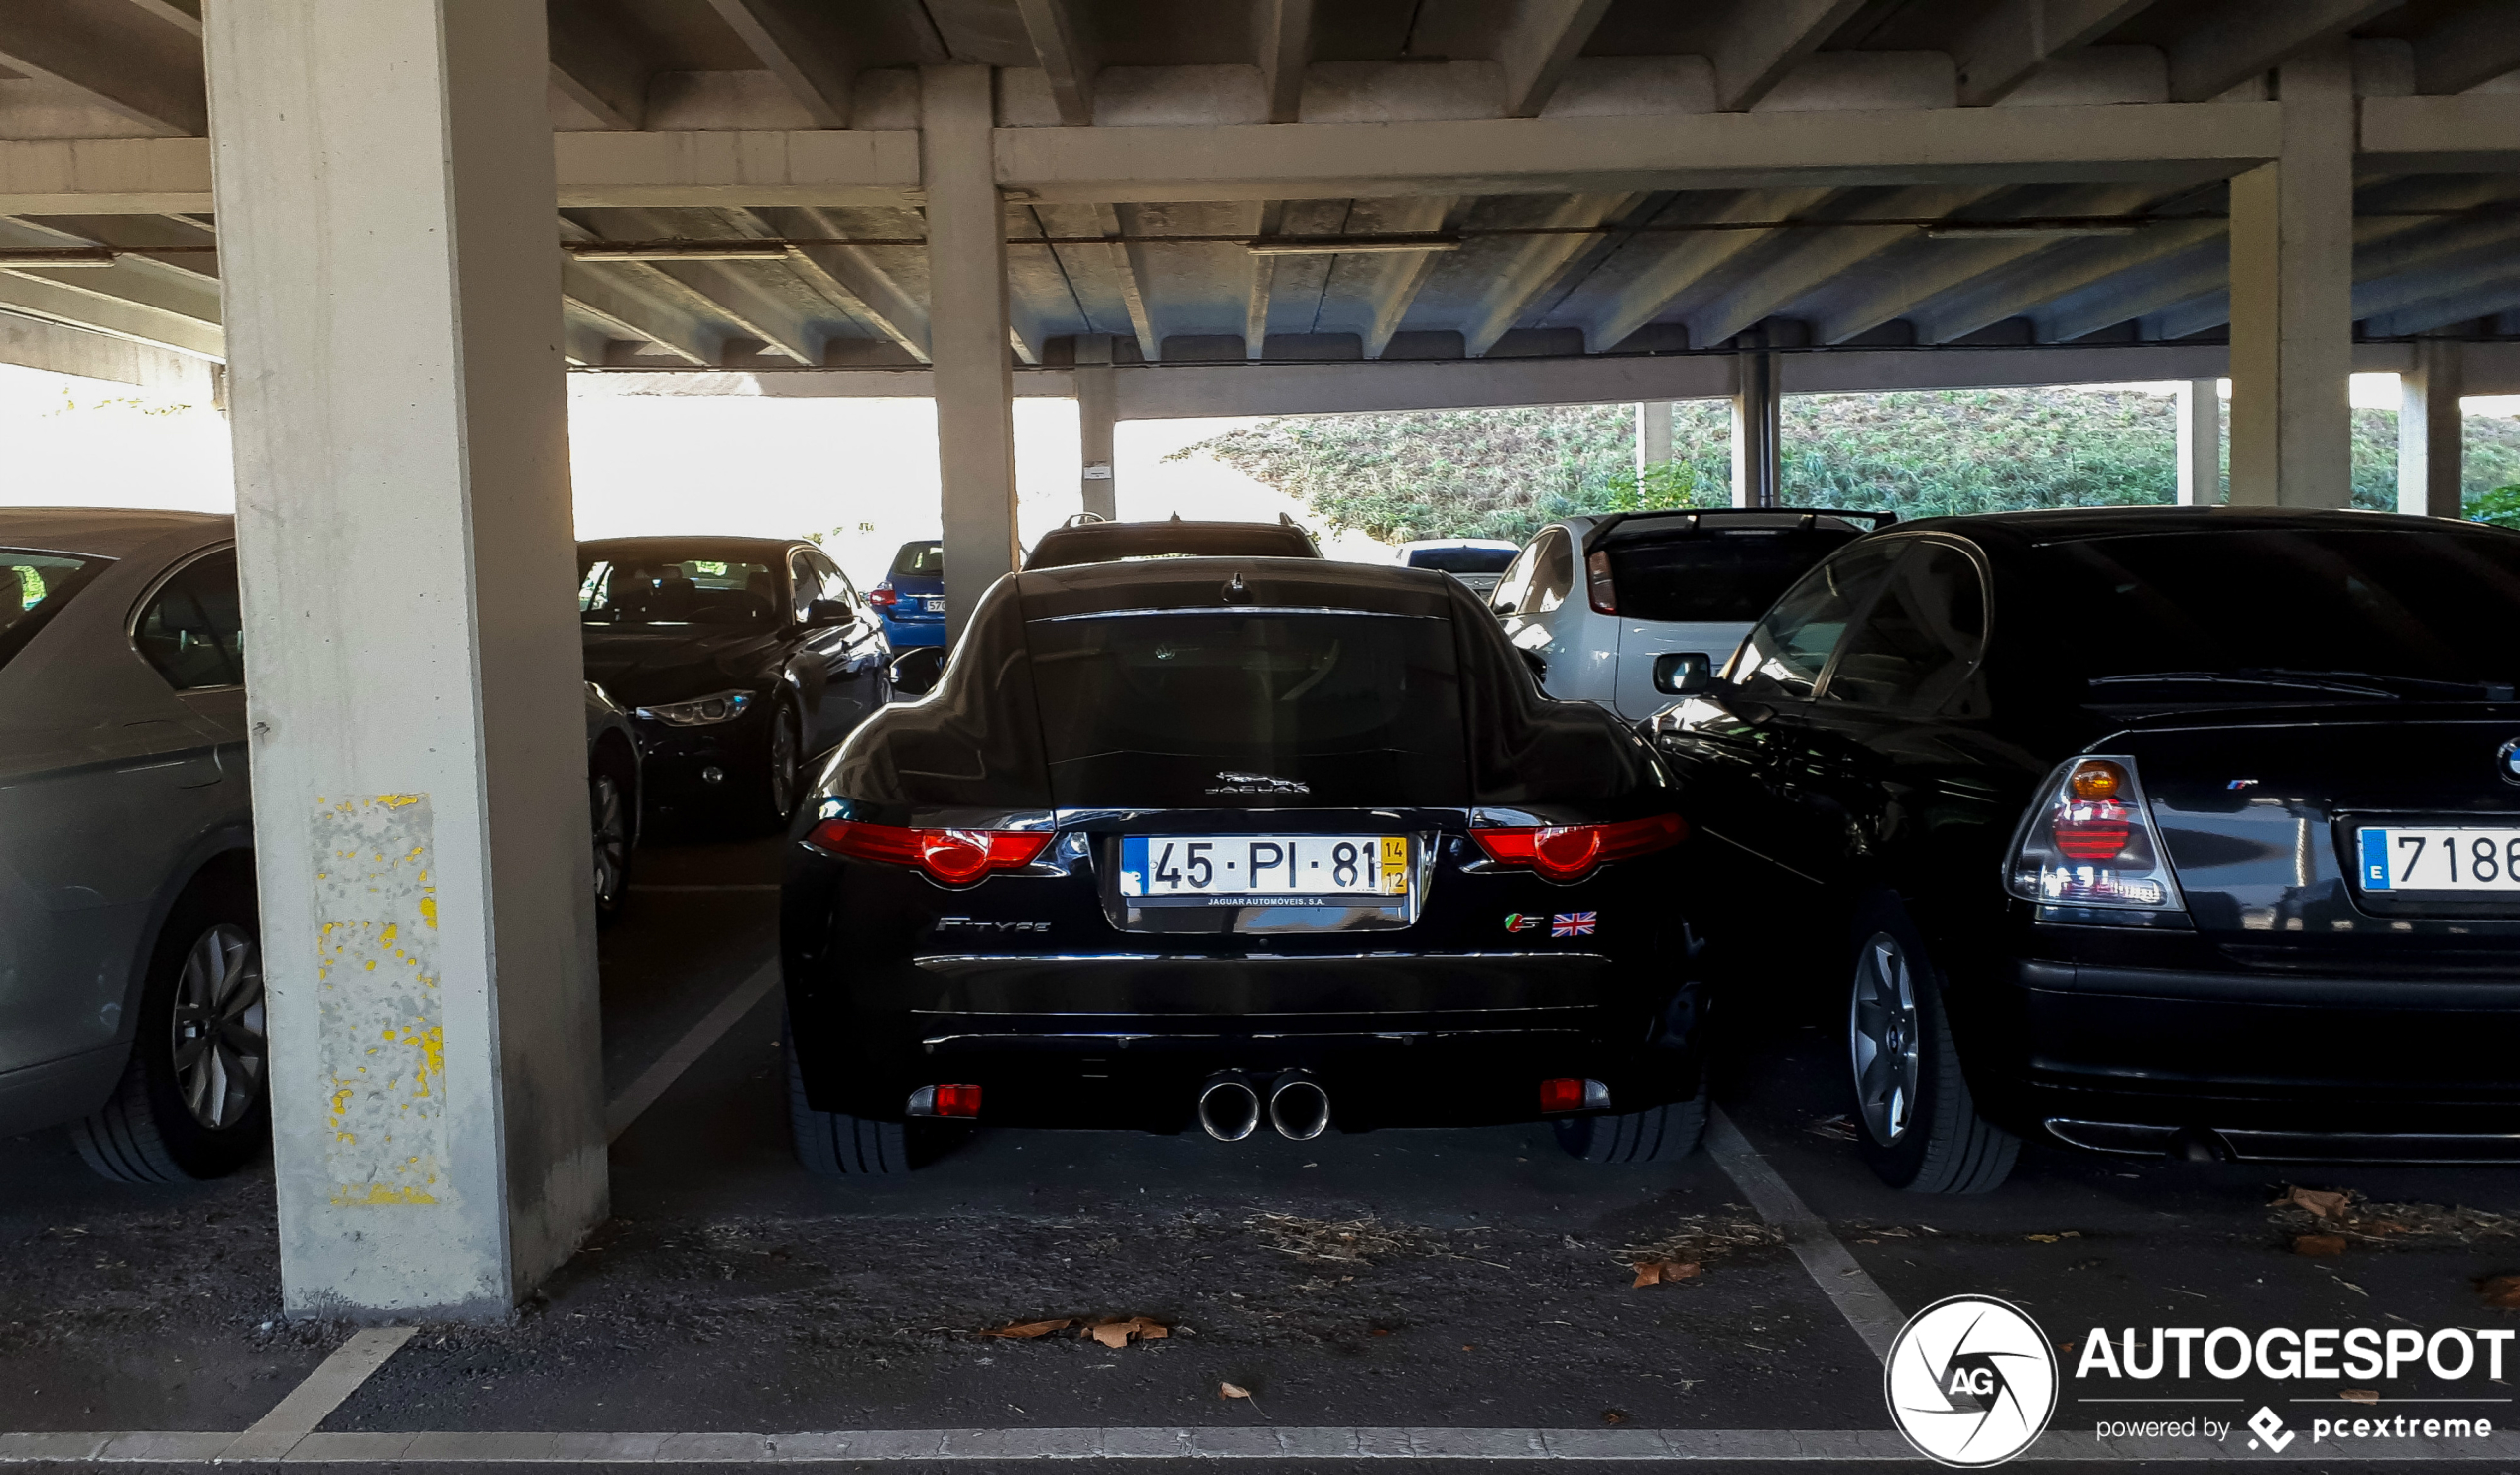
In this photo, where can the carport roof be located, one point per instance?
(1372, 181)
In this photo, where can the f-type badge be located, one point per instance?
(1234, 781)
(2507, 762)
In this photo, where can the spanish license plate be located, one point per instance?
(2418, 858)
(932, 604)
(1266, 867)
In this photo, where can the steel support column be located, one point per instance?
(409, 572)
(967, 326)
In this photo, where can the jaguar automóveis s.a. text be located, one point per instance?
(1245, 842)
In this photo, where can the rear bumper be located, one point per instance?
(928, 630)
(1128, 1041)
(2279, 1065)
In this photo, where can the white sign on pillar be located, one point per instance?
(384, 187)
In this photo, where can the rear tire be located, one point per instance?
(609, 807)
(194, 1102)
(1923, 1133)
(1658, 1134)
(836, 1144)
(786, 763)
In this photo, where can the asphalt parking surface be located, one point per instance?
(1473, 1279)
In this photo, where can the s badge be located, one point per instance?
(1521, 921)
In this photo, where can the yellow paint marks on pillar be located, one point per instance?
(382, 1037)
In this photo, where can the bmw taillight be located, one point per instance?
(1571, 852)
(882, 595)
(1598, 586)
(948, 857)
(2091, 842)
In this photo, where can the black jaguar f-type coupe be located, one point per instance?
(1239, 841)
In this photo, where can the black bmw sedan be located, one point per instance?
(1247, 842)
(2185, 831)
(740, 658)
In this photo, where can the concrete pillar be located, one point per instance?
(2200, 443)
(966, 330)
(1653, 434)
(1096, 409)
(384, 191)
(2291, 297)
(1757, 431)
(2431, 431)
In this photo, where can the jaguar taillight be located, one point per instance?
(2091, 842)
(948, 857)
(1571, 852)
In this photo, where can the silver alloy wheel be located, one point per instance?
(1881, 1039)
(783, 763)
(219, 1049)
(611, 839)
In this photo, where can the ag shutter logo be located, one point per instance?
(1970, 1381)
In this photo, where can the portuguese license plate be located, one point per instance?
(1264, 867)
(2421, 858)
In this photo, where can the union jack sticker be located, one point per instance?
(1573, 924)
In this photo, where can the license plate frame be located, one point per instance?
(2436, 861)
(1214, 870)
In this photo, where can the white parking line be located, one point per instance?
(1849, 1287)
(293, 1417)
(654, 1081)
(1863, 1448)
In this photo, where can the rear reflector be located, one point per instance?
(945, 1101)
(948, 857)
(1574, 1093)
(1571, 852)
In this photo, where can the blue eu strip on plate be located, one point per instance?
(2375, 860)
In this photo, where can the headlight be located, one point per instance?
(701, 711)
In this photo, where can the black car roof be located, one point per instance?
(1210, 583)
(100, 532)
(1093, 542)
(2075, 523)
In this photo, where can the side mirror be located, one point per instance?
(821, 612)
(1539, 666)
(915, 670)
(1683, 673)
(1502, 606)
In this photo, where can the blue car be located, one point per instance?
(910, 598)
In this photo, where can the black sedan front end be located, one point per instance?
(1245, 843)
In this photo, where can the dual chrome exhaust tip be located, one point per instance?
(1230, 1107)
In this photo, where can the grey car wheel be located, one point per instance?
(220, 1054)
(609, 818)
(1881, 1038)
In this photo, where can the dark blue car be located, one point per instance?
(911, 597)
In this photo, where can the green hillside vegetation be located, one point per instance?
(1501, 474)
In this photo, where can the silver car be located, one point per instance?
(131, 990)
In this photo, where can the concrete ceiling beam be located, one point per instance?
(1690, 257)
(2471, 45)
(2245, 38)
(2135, 294)
(1953, 265)
(1541, 40)
(1768, 38)
(1282, 45)
(1405, 274)
(2011, 43)
(803, 47)
(1534, 264)
(1268, 219)
(597, 65)
(851, 276)
(57, 301)
(1811, 259)
(115, 56)
(637, 315)
(2474, 131)
(1125, 264)
(1067, 57)
(2065, 268)
(2485, 298)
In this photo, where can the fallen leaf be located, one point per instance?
(1232, 1391)
(2320, 1204)
(1118, 1334)
(2359, 1394)
(2500, 1291)
(2069, 1233)
(1657, 1271)
(1382, 1331)
(2041, 1239)
(1027, 1330)
(1614, 1415)
(2322, 1244)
